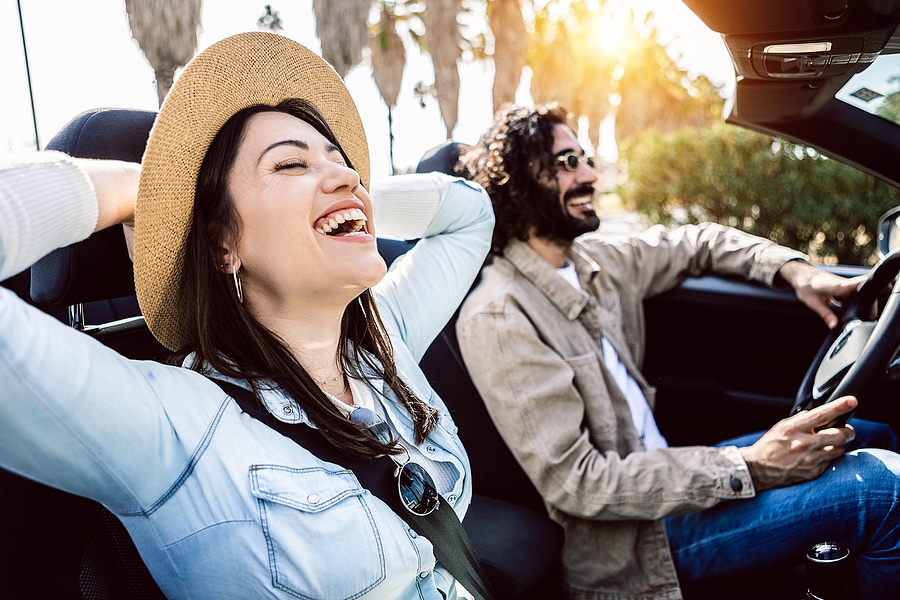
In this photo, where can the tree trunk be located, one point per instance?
(388, 58)
(342, 27)
(442, 38)
(166, 32)
(510, 47)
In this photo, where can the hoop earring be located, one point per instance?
(237, 283)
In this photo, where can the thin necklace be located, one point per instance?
(345, 408)
(329, 381)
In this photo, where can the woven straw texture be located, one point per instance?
(237, 72)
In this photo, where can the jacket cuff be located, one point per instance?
(766, 268)
(48, 202)
(737, 483)
(405, 205)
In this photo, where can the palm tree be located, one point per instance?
(166, 32)
(570, 66)
(442, 38)
(388, 60)
(343, 30)
(575, 65)
(656, 94)
(510, 48)
(270, 20)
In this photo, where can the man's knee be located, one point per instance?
(870, 434)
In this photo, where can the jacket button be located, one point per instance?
(430, 449)
(313, 498)
(451, 498)
(736, 484)
(287, 409)
(423, 574)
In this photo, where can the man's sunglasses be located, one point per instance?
(571, 160)
(418, 492)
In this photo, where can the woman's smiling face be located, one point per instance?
(306, 231)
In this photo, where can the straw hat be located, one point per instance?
(238, 72)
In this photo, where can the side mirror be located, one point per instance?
(889, 231)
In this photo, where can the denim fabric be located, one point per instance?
(855, 503)
(218, 504)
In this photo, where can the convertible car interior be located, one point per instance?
(90, 286)
(727, 356)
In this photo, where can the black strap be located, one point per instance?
(442, 528)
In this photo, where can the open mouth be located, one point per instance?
(582, 203)
(347, 222)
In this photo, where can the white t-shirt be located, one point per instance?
(641, 415)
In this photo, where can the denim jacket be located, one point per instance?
(531, 342)
(218, 504)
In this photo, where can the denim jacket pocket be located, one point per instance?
(304, 513)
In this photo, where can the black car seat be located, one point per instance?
(519, 545)
(496, 473)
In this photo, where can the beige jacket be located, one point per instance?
(532, 345)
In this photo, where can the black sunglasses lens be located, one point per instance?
(417, 490)
(571, 161)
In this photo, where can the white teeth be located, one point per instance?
(354, 216)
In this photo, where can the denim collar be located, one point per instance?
(276, 401)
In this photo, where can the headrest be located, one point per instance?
(442, 158)
(97, 268)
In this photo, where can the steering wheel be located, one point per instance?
(856, 354)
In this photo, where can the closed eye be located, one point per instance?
(291, 164)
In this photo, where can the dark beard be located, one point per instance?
(560, 226)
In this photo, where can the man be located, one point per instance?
(553, 338)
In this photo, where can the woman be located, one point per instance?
(255, 261)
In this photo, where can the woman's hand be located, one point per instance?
(795, 449)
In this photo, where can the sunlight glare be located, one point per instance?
(610, 35)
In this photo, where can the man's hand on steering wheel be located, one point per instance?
(855, 354)
(819, 289)
(800, 447)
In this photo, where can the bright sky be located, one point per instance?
(81, 56)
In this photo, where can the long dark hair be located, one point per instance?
(223, 334)
(514, 162)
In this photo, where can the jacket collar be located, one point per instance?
(543, 275)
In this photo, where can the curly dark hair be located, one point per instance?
(514, 162)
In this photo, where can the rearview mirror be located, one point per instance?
(889, 231)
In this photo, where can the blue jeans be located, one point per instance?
(855, 503)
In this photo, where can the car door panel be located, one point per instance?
(728, 356)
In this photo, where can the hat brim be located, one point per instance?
(240, 71)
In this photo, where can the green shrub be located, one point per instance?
(767, 186)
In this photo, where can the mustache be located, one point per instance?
(578, 191)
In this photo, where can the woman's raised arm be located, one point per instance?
(49, 200)
(116, 185)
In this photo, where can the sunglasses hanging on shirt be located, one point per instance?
(418, 493)
(417, 503)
